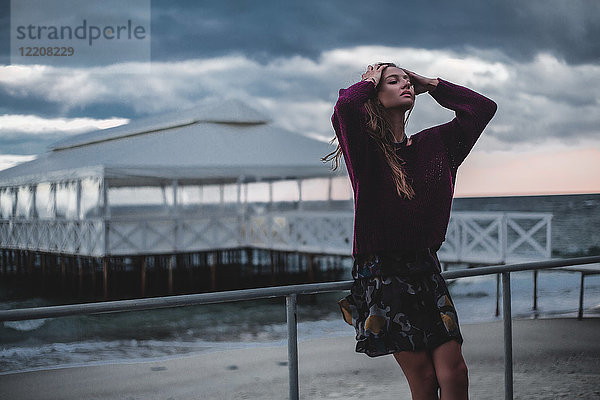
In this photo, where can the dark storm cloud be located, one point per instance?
(264, 29)
(33, 104)
(295, 55)
(189, 29)
(11, 103)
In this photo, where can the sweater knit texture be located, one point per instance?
(383, 221)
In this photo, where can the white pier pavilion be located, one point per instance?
(187, 181)
(219, 176)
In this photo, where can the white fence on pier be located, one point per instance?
(472, 237)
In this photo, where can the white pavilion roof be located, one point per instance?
(217, 141)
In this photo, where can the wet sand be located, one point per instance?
(553, 359)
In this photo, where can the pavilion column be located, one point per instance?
(239, 191)
(299, 181)
(15, 196)
(222, 196)
(53, 200)
(78, 191)
(33, 208)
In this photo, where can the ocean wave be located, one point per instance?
(25, 326)
(54, 355)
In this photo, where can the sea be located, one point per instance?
(177, 332)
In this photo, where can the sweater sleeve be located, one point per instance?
(473, 112)
(348, 120)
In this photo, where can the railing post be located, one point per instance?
(535, 289)
(507, 319)
(581, 287)
(549, 236)
(497, 295)
(504, 238)
(292, 321)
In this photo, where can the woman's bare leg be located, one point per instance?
(420, 374)
(451, 371)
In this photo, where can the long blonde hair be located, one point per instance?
(380, 129)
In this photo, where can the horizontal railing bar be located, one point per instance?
(252, 294)
(528, 266)
(527, 215)
(169, 301)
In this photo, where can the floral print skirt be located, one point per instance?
(400, 302)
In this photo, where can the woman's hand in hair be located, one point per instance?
(421, 83)
(374, 73)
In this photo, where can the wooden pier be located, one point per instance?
(118, 277)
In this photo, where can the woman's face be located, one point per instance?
(395, 89)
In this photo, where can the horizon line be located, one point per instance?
(524, 194)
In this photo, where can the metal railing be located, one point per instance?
(290, 293)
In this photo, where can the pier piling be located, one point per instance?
(105, 276)
(77, 276)
(142, 262)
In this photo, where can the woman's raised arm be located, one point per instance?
(473, 112)
(347, 118)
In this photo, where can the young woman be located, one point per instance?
(403, 187)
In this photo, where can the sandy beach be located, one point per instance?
(553, 359)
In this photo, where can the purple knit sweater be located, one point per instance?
(383, 221)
